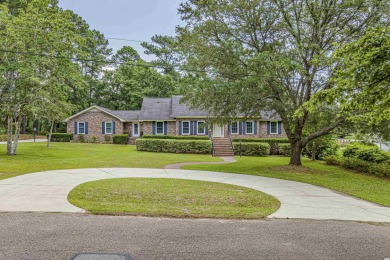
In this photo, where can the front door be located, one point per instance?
(135, 129)
(217, 130)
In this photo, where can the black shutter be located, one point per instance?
(86, 128)
(113, 127)
(103, 128)
(76, 130)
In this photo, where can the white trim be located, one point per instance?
(163, 132)
(238, 128)
(189, 127)
(204, 127)
(105, 128)
(90, 108)
(253, 127)
(270, 127)
(78, 128)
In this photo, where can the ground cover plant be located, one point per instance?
(366, 187)
(36, 157)
(172, 198)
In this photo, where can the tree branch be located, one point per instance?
(322, 132)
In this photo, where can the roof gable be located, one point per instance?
(122, 116)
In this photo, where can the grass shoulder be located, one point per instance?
(172, 198)
(366, 187)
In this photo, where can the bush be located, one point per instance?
(251, 149)
(273, 142)
(81, 139)
(366, 152)
(322, 147)
(60, 137)
(174, 146)
(379, 169)
(107, 139)
(284, 149)
(333, 160)
(172, 137)
(120, 139)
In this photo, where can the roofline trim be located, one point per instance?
(90, 108)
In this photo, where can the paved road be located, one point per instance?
(61, 236)
(47, 192)
(29, 141)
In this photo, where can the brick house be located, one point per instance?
(167, 116)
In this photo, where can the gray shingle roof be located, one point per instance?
(182, 110)
(156, 109)
(125, 115)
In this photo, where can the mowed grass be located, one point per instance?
(366, 187)
(172, 198)
(36, 157)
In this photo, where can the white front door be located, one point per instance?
(135, 129)
(217, 130)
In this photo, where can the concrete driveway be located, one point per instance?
(47, 192)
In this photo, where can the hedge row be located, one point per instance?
(377, 169)
(120, 139)
(173, 137)
(368, 153)
(251, 149)
(284, 149)
(174, 146)
(273, 142)
(61, 137)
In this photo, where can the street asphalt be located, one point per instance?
(64, 236)
(48, 191)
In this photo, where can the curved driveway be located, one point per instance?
(47, 192)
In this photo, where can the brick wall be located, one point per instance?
(95, 119)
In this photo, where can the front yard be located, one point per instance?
(366, 187)
(36, 157)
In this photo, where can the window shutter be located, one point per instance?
(280, 127)
(244, 128)
(196, 127)
(86, 128)
(113, 127)
(180, 128)
(103, 128)
(76, 130)
(191, 127)
(240, 128)
(229, 128)
(154, 127)
(268, 128)
(165, 128)
(255, 127)
(206, 129)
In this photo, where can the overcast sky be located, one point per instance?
(128, 19)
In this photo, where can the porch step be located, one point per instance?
(223, 147)
(132, 140)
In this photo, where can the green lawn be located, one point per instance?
(362, 186)
(35, 157)
(172, 198)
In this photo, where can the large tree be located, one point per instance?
(270, 54)
(37, 48)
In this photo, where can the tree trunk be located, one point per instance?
(50, 133)
(24, 125)
(296, 151)
(9, 135)
(313, 152)
(16, 136)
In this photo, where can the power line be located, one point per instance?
(138, 65)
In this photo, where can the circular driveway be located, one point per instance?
(48, 191)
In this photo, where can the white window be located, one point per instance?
(160, 128)
(108, 128)
(274, 128)
(235, 126)
(186, 127)
(201, 128)
(81, 128)
(136, 129)
(250, 127)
